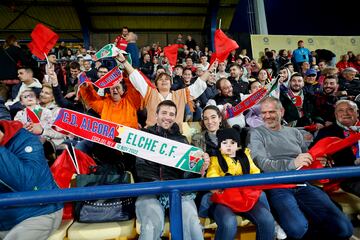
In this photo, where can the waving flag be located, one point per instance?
(223, 46)
(43, 40)
(171, 52)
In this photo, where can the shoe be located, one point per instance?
(279, 232)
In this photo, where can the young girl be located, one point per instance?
(232, 160)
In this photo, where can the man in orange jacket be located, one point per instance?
(120, 106)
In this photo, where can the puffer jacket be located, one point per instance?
(23, 167)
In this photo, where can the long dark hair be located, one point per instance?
(223, 123)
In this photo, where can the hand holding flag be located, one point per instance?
(43, 40)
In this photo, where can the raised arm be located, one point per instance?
(136, 79)
(199, 85)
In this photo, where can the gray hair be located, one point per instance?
(352, 104)
(349, 70)
(273, 100)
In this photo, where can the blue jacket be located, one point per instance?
(23, 167)
(133, 50)
(302, 55)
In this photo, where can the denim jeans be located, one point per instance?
(308, 210)
(151, 214)
(259, 215)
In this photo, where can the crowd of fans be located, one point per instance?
(317, 97)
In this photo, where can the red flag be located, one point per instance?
(43, 40)
(329, 146)
(31, 116)
(223, 45)
(71, 161)
(311, 128)
(171, 53)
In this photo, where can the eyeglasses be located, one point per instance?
(30, 95)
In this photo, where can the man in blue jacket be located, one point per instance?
(23, 167)
(300, 55)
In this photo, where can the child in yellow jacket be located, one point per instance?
(232, 159)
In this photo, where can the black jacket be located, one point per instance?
(239, 86)
(291, 112)
(148, 171)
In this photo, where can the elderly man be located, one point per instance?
(347, 123)
(301, 211)
(349, 83)
(23, 167)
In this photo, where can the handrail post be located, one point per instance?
(176, 227)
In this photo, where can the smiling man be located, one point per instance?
(150, 209)
(298, 104)
(119, 107)
(304, 211)
(325, 101)
(347, 124)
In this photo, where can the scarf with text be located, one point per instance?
(139, 143)
(252, 99)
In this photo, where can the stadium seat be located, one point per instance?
(102, 231)
(349, 202)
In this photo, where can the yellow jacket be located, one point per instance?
(234, 169)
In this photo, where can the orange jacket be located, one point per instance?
(124, 112)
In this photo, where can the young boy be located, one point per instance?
(34, 117)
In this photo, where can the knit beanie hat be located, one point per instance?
(229, 133)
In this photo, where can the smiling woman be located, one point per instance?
(211, 122)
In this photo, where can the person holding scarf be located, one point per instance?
(304, 211)
(153, 96)
(347, 123)
(150, 209)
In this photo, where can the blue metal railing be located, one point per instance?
(174, 187)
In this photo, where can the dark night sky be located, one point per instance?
(304, 17)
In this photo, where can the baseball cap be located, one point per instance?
(311, 72)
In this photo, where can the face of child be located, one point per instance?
(28, 99)
(229, 147)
